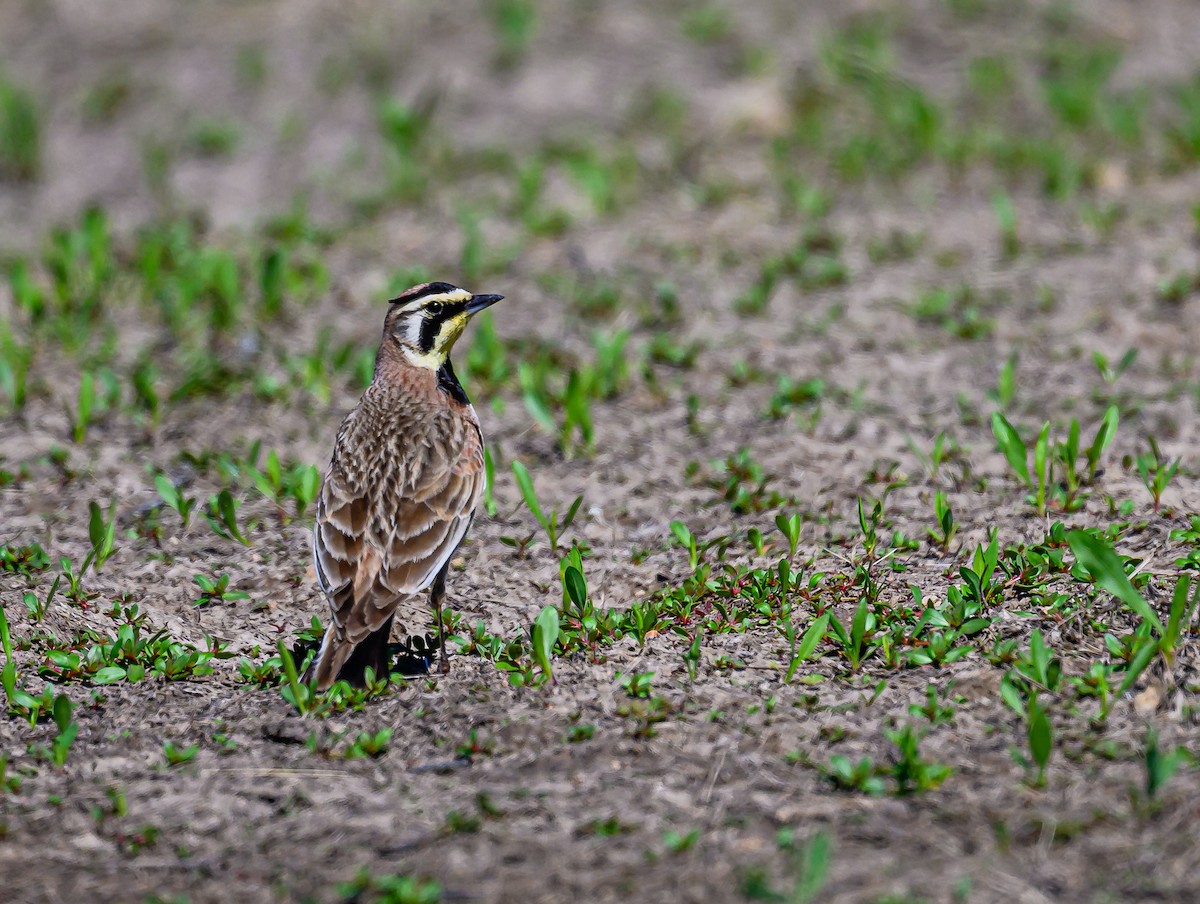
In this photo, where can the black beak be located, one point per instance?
(479, 302)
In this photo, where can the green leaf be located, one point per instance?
(858, 627)
(812, 637)
(1041, 737)
(109, 675)
(525, 484)
(576, 586)
(539, 412)
(545, 635)
(1105, 567)
(1011, 445)
(167, 490)
(1137, 665)
(682, 534)
(489, 482)
(62, 711)
(812, 869)
(571, 513)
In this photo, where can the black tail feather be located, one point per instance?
(371, 652)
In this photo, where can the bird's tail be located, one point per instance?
(342, 658)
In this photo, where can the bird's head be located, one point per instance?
(426, 320)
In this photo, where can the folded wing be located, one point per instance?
(384, 533)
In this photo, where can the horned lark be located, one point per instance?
(401, 490)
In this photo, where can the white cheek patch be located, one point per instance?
(412, 330)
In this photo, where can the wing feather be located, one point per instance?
(385, 532)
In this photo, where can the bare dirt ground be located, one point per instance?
(497, 792)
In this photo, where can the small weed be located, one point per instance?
(388, 889)
(175, 499)
(515, 24)
(1156, 472)
(178, 756)
(369, 744)
(67, 727)
(212, 138)
(216, 591)
(862, 776)
(911, 772)
(20, 133)
(550, 523)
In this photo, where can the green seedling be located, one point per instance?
(810, 867)
(1051, 457)
(19, 701)
(1098, 683)
(691, 658)
(221, 515)
(943, 534)
(545, 632)
(789, 526)
(15, 361)
(932, 709)
(1006, 383)
(20, 133)
(577, 401)
(757, 540)
(802, 648)
(175, 499)
(83, 415)
(178, 756)
(680, 843)
(67, 727)
(74, 578)
(1097, 556)
(687, 540)
(1006, 220)
(489, 483)
(278, 483)
(216, 591)
(1105, 434)
(550, 523)
(299, 694)
(389, 889)
(911, 772)
(855, 643)
(743, 483)
(847, 775)
(144, 377)
(1012, 446)
(102, 532)
(804, 397)
(9, 784)
(130, 656)
(23, 559)
(944, 449)
(1152, 637)
(958, 310)
(515, 24)
(212, 138)
(1156, 472)
(1110, 372)
(574, 583)
(369, 744)
(1039, 733)
(1161, 765)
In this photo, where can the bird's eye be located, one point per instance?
(433, 308)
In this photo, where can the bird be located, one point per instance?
(400, 491)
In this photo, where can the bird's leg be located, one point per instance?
(436, 594)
